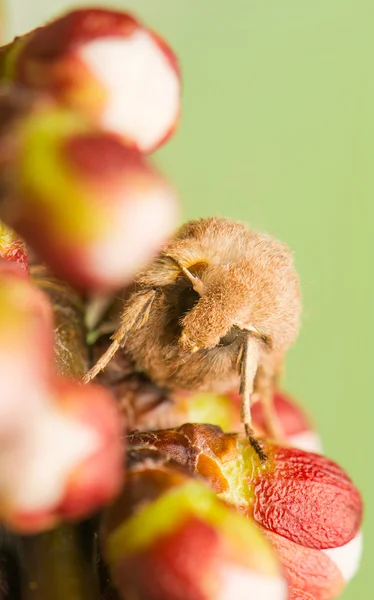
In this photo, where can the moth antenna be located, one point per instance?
(197, 284)
(134, 316)
(247, 373)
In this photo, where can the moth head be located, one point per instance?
(223, 304)
(218, 292)
(211, 310)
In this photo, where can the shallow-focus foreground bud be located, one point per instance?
(297, 427)
(107, 65)
(102, 210)
(26, 346)
(61, 462)
(60, 448)
(168, 537)
(296, 594)
(148, 407)
(304, 502)
(13, 249)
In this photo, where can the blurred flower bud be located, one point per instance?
(149, 407)
(188, 543)
(317, 574)
(305, 503)
(60, 442)
(296, 424)
(13, 249)
(26, 346)
(102, 210)
(296, 594)
(63, 461)
(107, 65)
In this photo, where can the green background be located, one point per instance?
(277, 129)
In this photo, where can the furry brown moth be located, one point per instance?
(216, 309)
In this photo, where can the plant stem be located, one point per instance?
(56, 566)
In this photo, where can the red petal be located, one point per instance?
(310, 572)
(293, 419)
(180, 565)
(308, 499)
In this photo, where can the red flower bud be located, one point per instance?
(60, 442)
(26, 345)
(296, 594)
(97, 480)
(102, 209)
(13, 249)
(64, 461)
(107, 65)
(304, 488)
(149, 407)
(296, 424)
(189, 544)
(317, 574)
(305, 503)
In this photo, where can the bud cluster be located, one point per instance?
(83, 99)
(176, 503)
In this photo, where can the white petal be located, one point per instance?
(347, 558)
(239, 583)
(306, 440)
(34, 469)
(143, 88)
(147, 219)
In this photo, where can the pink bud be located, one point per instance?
(296, 424)
(317, 574)
(13, 249)
(168, 536)
(296, 594)
(109, 66)
(99, 477)
(308, 489)
(64, 462)
(305, 503)
(26, 345)
(102, 209)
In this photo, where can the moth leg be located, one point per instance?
(102, 362)
(135, 314)
(247, 374)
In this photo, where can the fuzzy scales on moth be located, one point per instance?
(217, 309)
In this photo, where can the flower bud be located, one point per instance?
(60, 442)
(305, 503)
(297, 428)
(149, 407)
(13, 249)
(102, 209)
(301, 487)
(317, 574)
(64, 461)
(26, 345)
(188, 543)
(296, 594)
(106, 64)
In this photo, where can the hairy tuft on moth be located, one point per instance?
(217, 309)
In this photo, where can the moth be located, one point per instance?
(216, 310)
